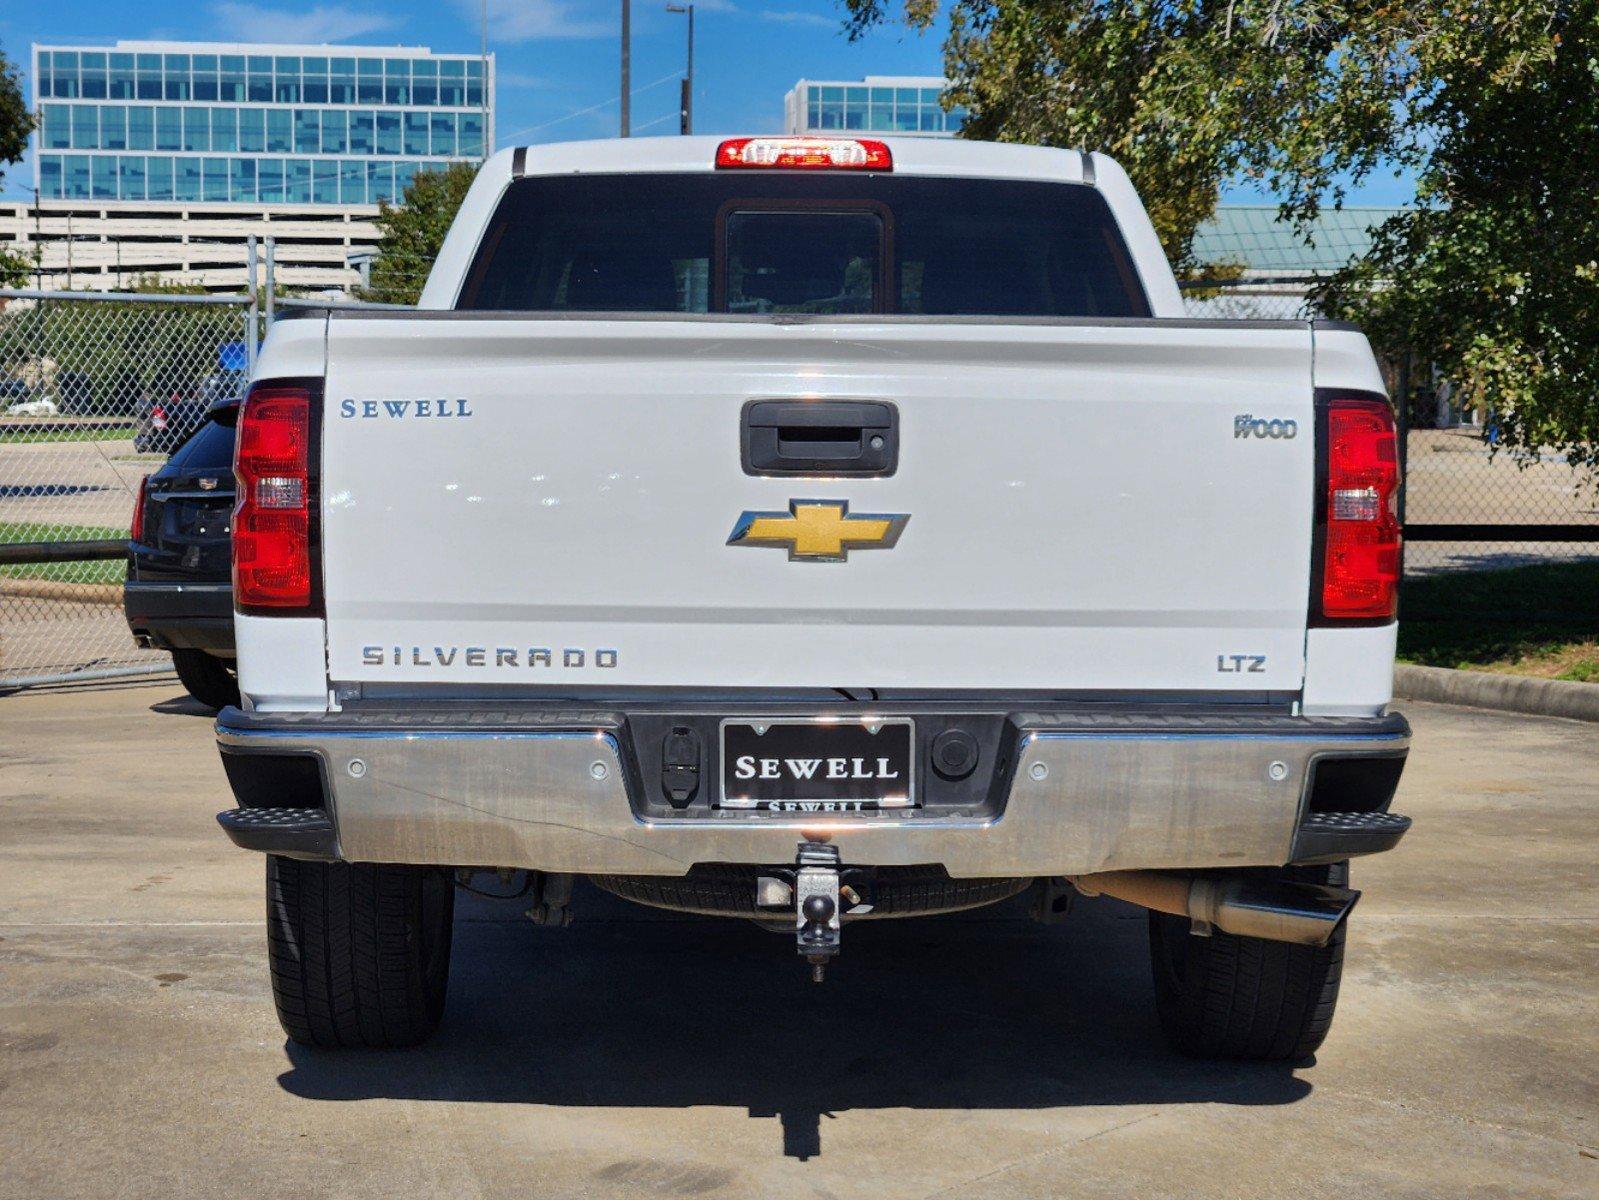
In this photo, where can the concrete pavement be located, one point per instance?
(640, 1055)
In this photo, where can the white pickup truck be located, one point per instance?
(813, 530)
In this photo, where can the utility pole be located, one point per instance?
(38, 246)
(627, 68)
(685, 105)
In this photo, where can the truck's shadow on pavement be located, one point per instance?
(622, 1009)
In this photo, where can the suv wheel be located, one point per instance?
(1225, 996)
(207, 678)
(360, 952)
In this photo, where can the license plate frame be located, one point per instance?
(811, 795)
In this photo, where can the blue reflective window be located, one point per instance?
(76, 186)
(85, 127)
(225, 129)
(335, 131)
(474, 93)
(369, 81)
(241, 185)
(314, 77)
(404, 172)
(147, 77)
(286, 90)
(471, 135)
(105, 177)
(252, 130)
(362, 133)
(452, 83)
(216, 179)
(43, 76)
(93, 75)
(930, 118)
(352, 182)
(169, 129)
(474, 68)
(280, 131)
(120, 77)
(416, 133)
(341, 80)
(231, 78)
(325, 187)
(424, 82)
(379, 181)
(443, 139)
(141, 127)
(205, 77)
(269, 180)
(158, 178)
(64, 74)
(50, 176)
(186, 178)
(197, 129)
(397, 81)
(259, 87)
(113, 127)
(130, 176)
(55, 126)
(830, 115)
(297, 181)
(177, 76)
(388, 132)
(307, 131)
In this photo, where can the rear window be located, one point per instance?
(210, 447)
(821, 244)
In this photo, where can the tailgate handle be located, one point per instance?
(819, 437)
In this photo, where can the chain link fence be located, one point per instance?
(96, 391)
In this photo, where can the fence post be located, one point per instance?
(271, 279)
(1402, 420)
(252, 317)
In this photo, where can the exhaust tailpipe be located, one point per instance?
(1306, 914)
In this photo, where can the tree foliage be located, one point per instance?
(1493, 106)
(15, 125)
(413, 232)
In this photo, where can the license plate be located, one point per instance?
(818, 766)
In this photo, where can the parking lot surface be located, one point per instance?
(636, 1054)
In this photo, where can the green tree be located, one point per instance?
(413, 231)
(1494, 276)
(15, 125)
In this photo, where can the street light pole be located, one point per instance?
(627, 68)
(686, 102)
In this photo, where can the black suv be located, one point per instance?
(179, 591)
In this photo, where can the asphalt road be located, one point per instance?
(639, 1055)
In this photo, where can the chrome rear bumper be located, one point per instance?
(555, 791)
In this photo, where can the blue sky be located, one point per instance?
(557, 60)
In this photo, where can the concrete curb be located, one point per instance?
(1507, 693)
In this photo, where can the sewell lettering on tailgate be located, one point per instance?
(490, 657)
(399, 410)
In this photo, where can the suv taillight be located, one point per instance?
(136, 529)
(1360, 534)
(274, 514)
(805, 154)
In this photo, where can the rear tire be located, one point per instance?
(360, 952)
(207, 678)
(1225, 996)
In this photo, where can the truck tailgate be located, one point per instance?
(549, 502)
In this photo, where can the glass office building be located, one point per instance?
(902, 106)
(252, 124)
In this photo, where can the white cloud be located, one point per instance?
(241, 21)
(790, 17)
(525, 20)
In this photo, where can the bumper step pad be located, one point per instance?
(1330, 837)
(293, 832)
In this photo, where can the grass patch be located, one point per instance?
(1539, 620)
(110, 570)
(50, 435)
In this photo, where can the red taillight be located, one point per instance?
(805, 154)
(1360, 567)
(158, 417)
(272, 553)
(136, 529)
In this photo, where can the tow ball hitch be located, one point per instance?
(819, 891)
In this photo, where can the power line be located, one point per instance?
(516, 133)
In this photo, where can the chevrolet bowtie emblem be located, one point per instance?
(818, 530)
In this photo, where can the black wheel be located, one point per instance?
(207, 678)
(360, 952)
(1225, 996)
